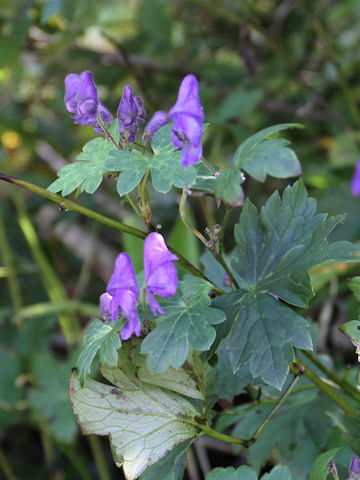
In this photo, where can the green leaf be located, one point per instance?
(181, 325)
(277, 473)
(238, 103)
(354, 285)
(179, 381)
(320, 467)
(170, 467)
(276, 248)
(229, 473)
(133, 166)
(144, 422)
(262, 334)
(227, 185)
(195, 290)
(261, 155)
(87, 174)
(352, 330)
(114, 130)
(102, 337)
(49, 399)
(166, 167)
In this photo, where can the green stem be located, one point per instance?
(14, 287)
(56, 308)
(324, 387)
(343, 384)
(277, 407)
(146, 212)
(66, 204)
(99, 457)
(221, 260)
(187, 224)
(53, 286)
(5, 467)
(223, 228)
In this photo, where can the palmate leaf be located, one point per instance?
(187, 320)
(352, 330)
(229, 473)
(87, 174)
(227, 185)
(260, 155)
(143, 422)
(166, 169)
(275, 249)
(170, 467)
(262, 333)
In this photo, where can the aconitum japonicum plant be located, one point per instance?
(230, 325)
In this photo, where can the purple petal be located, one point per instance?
(355, 182)
(105, 310)
(123, 276)
(160, 273)
(188, 99)
(131, 326)
(155, 307)
(127, 110)
(158, 120)
(354, 468)
(71, 87)
(190, 154)
(141, 114)
(105, 116)
(189, 126)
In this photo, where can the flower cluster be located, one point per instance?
(81, 98)
(130, 113)
(122, 292)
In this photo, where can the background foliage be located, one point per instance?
(259, 63)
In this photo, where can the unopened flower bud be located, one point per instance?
(227, 280)
(158, 120)
(354, 468)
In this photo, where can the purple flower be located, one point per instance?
(158, 120)
(354, 468)
(81, 98)
(188, 117)
(355, 182)
(130, 113)
(160, 273)
(121, 297)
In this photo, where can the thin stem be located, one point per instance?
(146, 212)
(208, 165)
(186, 223)
(140, 146)
(133, 205)
(5, 467)
(344, 384)
(324, 387)
(8, 259)
(223, 228)
(221, 260)
(99, 457)
(277, 407)
(66, 204)
(53, 286)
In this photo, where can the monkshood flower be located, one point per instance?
(158, 120)
(188, 117)
(121, 297)
(355, 182)
(81, 98)
(354, 468)
(130, 113)
(160, 272)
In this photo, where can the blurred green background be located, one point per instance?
(259, 62)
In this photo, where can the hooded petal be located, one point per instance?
(86, 89)
(71, 87)
(127, 110)
(188, 125)
(123, 276)
(354, 468)
(188, 99)
(160, 273)
(190, 154)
